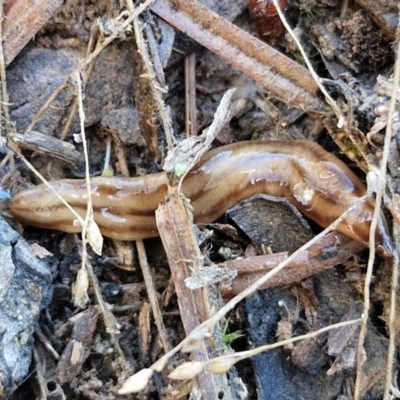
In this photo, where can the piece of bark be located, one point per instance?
(284, 78)
(21, 22)
(342, 343)
(47, 146)
(79, 346)
(175, 226)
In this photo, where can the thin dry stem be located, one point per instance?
(395, 273)
(109, 319)
(78, 301)
(190, 95)
(151, 292)
(392, 318)
(47, 344)
(107, 158)
(238, 356)
(156, 87)
(344, 9)
(86, 77)
(89, 209)
(40, 379)
(374, 222)
(317, 79)
(46, 105)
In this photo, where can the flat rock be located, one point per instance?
(25, 290)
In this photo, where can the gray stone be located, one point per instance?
(25, 290)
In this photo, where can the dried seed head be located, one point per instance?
(186, 370)
(80, 289)
(220, 365)
(136, 382)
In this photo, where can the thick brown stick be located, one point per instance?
(284, 78)
(176, 231)
(22, 21)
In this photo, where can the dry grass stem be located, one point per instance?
(190, 95)
(233, 358)
(390, 377)
(379, 195)
(107, 157)
(86, 76)
(90, 230)
(328, 98)
(378, 201)
(16, 150)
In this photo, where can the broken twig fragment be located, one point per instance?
(284, 78)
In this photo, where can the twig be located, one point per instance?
(175, 227)
(46, 105)
(46, 344)
(40, 380)
(344, 9)
(284, 78)
(190, 95)
(154, 52)
(308, 263)
(151, 292)
(47, 147)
